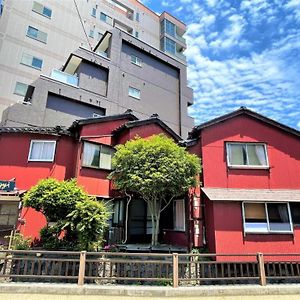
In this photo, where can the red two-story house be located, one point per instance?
(250, 183)
(84, 152)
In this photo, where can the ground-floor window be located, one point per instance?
(179, 215)
(267, 218)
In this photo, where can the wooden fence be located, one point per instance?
(146, 268)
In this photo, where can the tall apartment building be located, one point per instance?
(38, 36)
(121, 73)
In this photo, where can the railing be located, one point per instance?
(147, 268)
(64, 77)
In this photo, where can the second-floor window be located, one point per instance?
(97, 156)
(247, 155)
(42, 150)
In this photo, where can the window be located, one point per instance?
(41, 150)
(137, 34)
(94, 11)
(105, 18)
(1, 7)
(295, 212)
(97, 156)
(20, 88)
(170, 28)
(118, 213)
(32, 61)
(136, 60)
(137, 17)
(9, 214)
(91, 34)
(41, 9)
(133, 92)
(247, 155)
(37, 34)
(100, 35)
(170, 46)
(267, 218)
(179, 215)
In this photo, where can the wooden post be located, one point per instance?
(261, 269)
(175, 270)
(81, 271)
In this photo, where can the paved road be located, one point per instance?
(99, 297)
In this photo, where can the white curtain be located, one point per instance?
(260, 152)
(105, 157)
(179, 215)
(88, 153)
(36, 150)
(48, 150)
(235, 154)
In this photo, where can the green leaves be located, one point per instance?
(80, 219)
(154, 166)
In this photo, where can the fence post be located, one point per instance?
(261, 269)
(175, 270)
(81, 271)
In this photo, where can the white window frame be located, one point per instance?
(248, 166)
(100, 146)
(42, 141)
(18, 83)
(183, 214)
(268, 231)
(136, 60)
(131, 88)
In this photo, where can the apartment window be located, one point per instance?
(41, 9)
(94, 12)
(137, 34)
(20, 88)
(41, 150)
(32, 61)
(137, 17)
(136, 60)
(105, 18)
(170, 46)
(170, 28)
(135, 93)
(179, 215)
(1, 7)
(91, 34)
(37, 34)
(100, 35)
(97, 156)
(267, 218)
(247, 155)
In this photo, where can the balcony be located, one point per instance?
(64, 77)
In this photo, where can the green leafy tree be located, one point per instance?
(157, 170)
(80, 220)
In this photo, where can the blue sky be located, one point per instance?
(241, 53)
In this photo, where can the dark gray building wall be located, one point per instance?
(93, 78)
(68, 106)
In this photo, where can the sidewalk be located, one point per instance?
(35, 291)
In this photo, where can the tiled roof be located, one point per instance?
(41, 130)
(252, 195)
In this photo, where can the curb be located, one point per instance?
(144, 291)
